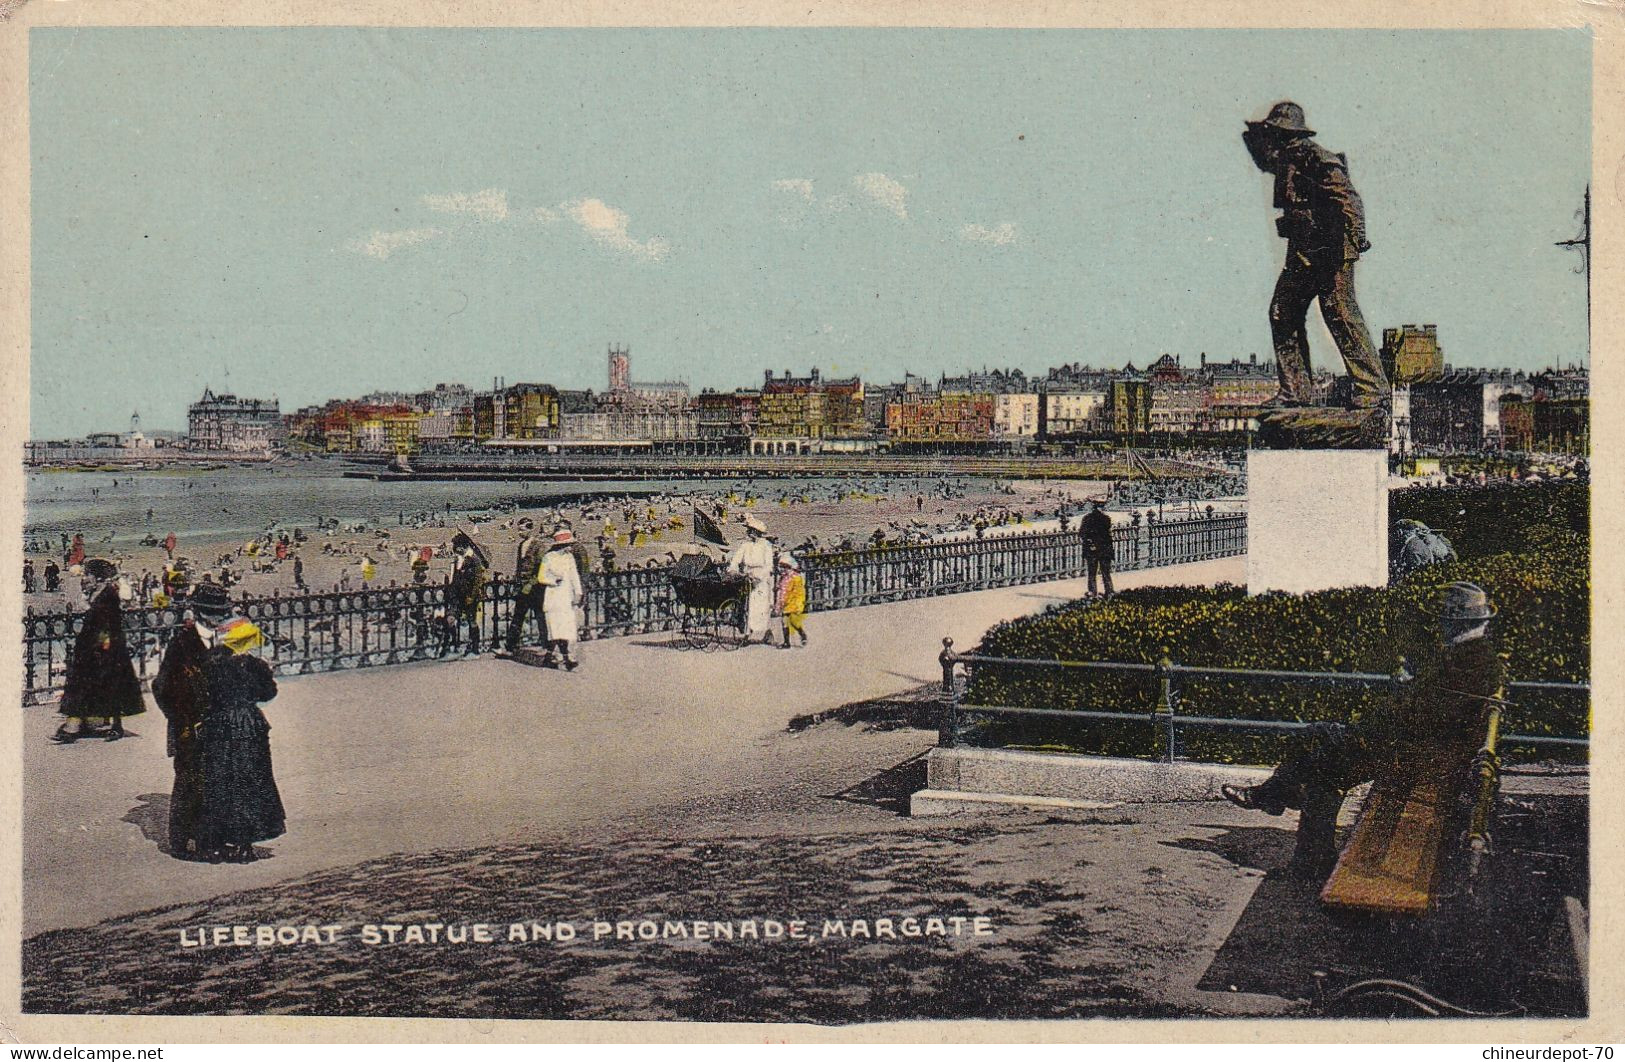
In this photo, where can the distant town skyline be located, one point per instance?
(420, 206)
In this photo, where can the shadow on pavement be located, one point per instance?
(151, 816)
(916, 708)
(1507, 947)
(890, 789)
(1258, 847)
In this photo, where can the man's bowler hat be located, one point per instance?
(1463, 601)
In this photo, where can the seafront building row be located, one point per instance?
(1436, 406)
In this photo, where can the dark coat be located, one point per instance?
(1096, 530)
(467, 590)
(1441, 724)
(528, 561)
(101, 679)
(182, 692)
(1321, 214)
(240, 798)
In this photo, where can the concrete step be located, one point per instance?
(929, 802)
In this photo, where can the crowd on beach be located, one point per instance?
(616, 531)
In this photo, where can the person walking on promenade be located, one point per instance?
(578, 549)
(754, 557)
(1096, 529)
(240, 803)
(1437, 728)
(28, 576)
(53, 577)
(561, 577)
(298, 572)
(791, 601)
(466, 594)
(530, 602)
(169, 545)
(182, 692)
(101, 684)
(76, 553)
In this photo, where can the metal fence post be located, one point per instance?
(1163, 715)
(948, 699)
(1397, 681)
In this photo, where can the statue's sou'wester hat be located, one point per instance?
(99, 568)
(755, 525)
(1462, 601)
(1286, 117)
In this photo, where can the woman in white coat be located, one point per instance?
(562, 577)
(754, 557)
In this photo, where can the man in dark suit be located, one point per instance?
(1096, 529)
(1437, 728)
(529, 600)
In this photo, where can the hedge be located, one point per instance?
(1542, 591)
(1506, 518)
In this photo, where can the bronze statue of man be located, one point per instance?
(1324, 225)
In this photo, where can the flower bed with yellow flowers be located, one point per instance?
(1527, 546)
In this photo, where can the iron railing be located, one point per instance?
(400, 624)
(899, 572)
(1164, 717)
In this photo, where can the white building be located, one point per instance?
(1015, 415)
(226, 422)
(1072, 411)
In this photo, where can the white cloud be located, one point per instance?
(883, 192)
(798, 186)
(608, 226)
(1001, 234)
(489, 205)
(381, 245)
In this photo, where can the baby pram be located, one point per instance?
(713, 602)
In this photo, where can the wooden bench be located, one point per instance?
(1407, 837)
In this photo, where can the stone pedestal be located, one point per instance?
(1316, 519)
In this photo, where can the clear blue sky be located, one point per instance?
(331, 211)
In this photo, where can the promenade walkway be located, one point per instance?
(422, 757)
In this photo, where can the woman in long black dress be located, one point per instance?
(239, 801)
(100, 684)
(241, 804)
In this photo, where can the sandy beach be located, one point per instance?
(634, 531)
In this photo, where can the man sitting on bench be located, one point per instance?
(1434, 734)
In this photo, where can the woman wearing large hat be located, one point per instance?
(561, 576)
(754, 557)
(101, 687)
